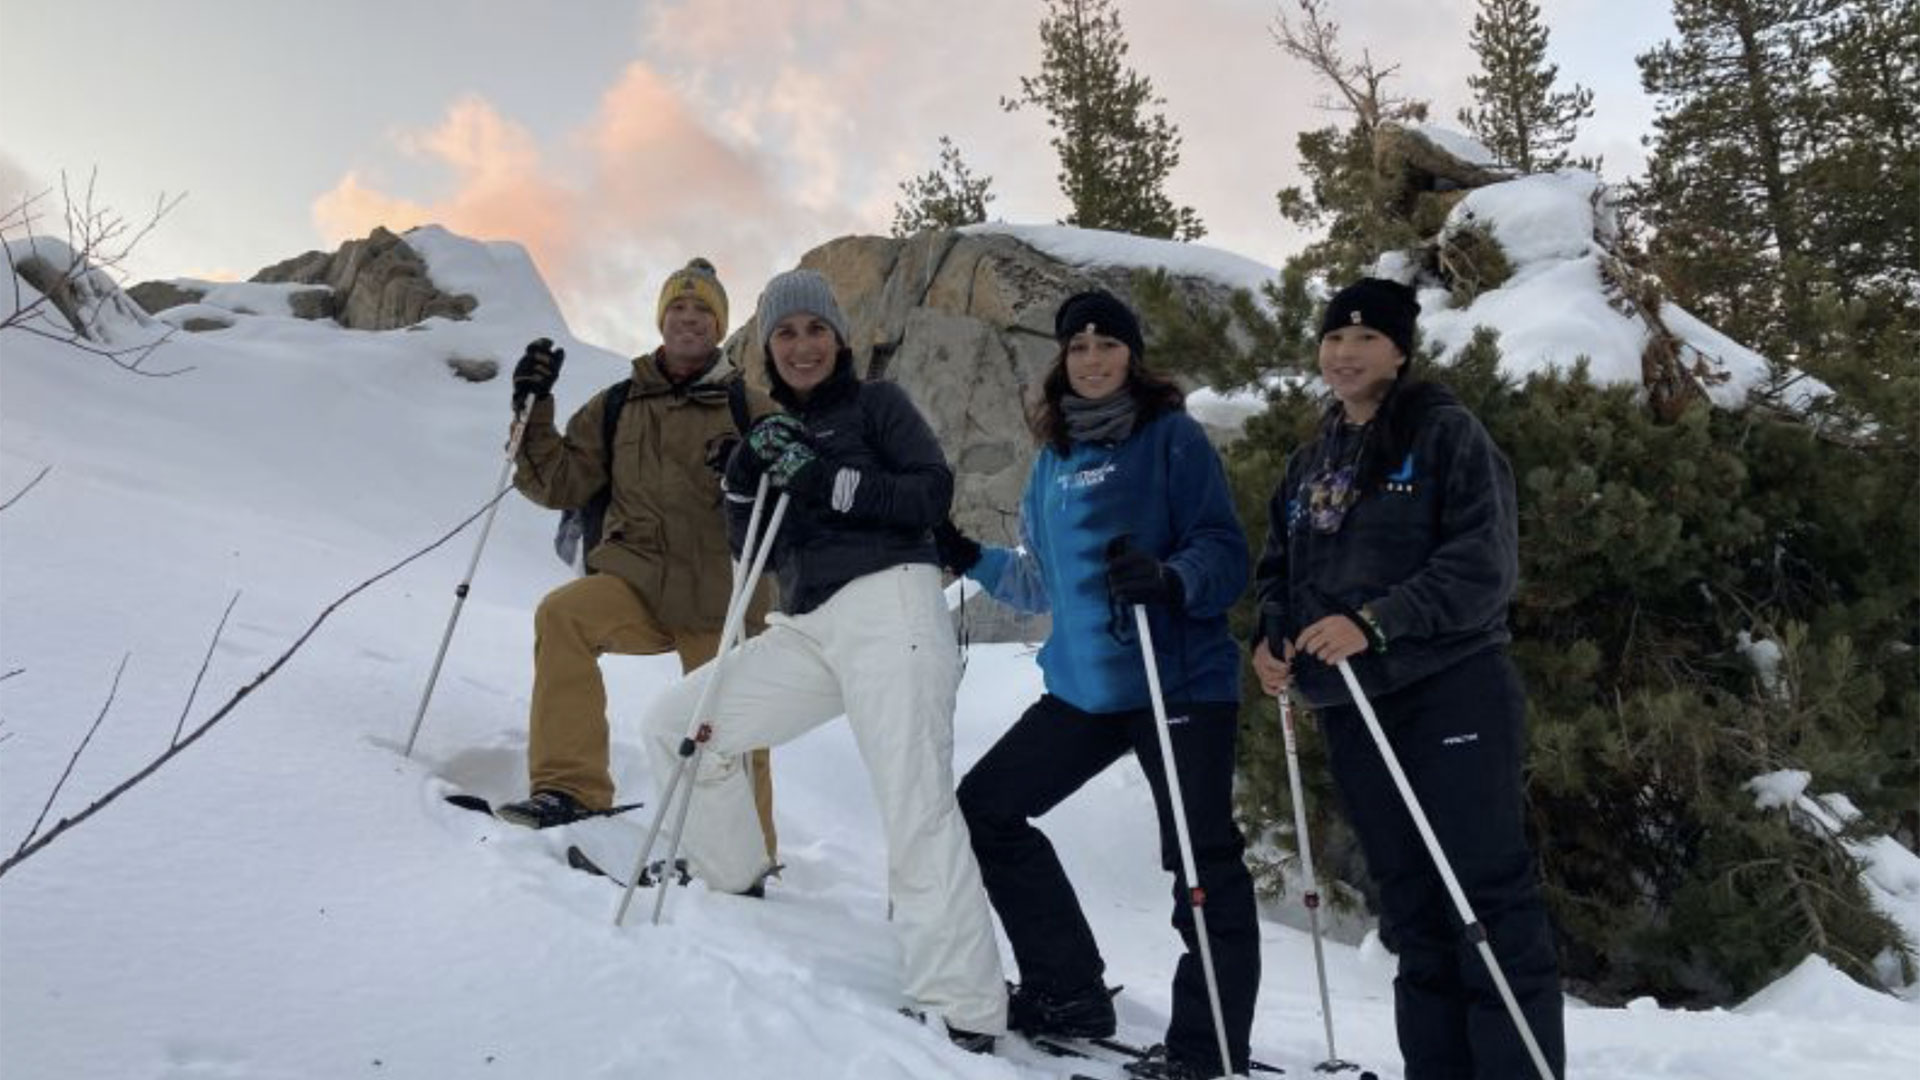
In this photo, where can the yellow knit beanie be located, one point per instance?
(697, 280)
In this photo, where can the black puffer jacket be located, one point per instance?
(1432, 551)
(879, 514)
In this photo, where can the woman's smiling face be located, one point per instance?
(804, 350)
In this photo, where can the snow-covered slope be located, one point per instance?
(291, 898)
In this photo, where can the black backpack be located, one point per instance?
(580, 529)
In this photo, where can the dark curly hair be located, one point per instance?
(1155, 394)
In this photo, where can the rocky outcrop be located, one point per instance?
(378, 283)
(963, 321)
(473, 370)
(157, 296)
(1426, 176)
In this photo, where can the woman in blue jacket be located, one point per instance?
(1126, 504)
(1393, 545)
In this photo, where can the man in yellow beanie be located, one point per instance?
(658, 571)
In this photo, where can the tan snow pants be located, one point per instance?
(567, 743)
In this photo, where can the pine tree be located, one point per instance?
(1116, 149)
(1520, 116)
(1738, 103)
(1346, 195)
(946, 197)
(1651, 543)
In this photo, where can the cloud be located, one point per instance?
(500, 188)
(750, 131)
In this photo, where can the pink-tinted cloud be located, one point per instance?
(500, 189)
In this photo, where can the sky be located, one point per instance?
(617, 138)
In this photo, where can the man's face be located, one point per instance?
(689, 331)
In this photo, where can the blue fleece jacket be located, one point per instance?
(1164, 488)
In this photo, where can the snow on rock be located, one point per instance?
(499, 274)
(1098, 247)
(1465, 147)
(272, 299)
(1535, 218)
(1550, 314)
(105, 314)
(1556, 230)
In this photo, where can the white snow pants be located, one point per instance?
(882, 651)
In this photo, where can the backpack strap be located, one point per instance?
(737, 404)
(580, 529)
(615, 400)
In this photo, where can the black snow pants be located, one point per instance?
(1051, 752)
(1460, 737)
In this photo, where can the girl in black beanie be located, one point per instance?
(1393, 545)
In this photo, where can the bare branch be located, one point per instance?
(37, 477)
(117, 356)
(28, 850)
(1315, 41)
(99, 241)
(11, 674)
(113, 692)
(204, 663)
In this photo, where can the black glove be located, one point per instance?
(743, 469)
(1135, 577)
(537, 371)
(720, 450)
(958, 551)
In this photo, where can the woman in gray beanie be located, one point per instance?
(1393, 545)
(863, 631)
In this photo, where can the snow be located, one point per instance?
(1555, 229)
(1462, 146)
(1889, 872)
(1774, 790)
(1098, 247)
(1536, 218)
(292, 898)
(246, 297)
(1765, 656)
(112, 320)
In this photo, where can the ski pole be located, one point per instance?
(753, 558)
(704, 728)
(694, 745)
(1475, 932)
(1311, 896)
(460, 591)
(1195, 894)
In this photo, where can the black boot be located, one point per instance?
(1157, 1065)
(973, 1042)
(1086, 1013)
(544, 810)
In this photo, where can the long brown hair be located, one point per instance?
(1152, 392)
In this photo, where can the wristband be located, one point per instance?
(1376, 637)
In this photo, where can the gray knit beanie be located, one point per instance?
(796, 291)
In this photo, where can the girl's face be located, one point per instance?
(1096, 364)
(804, 349)
(1359, 365)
